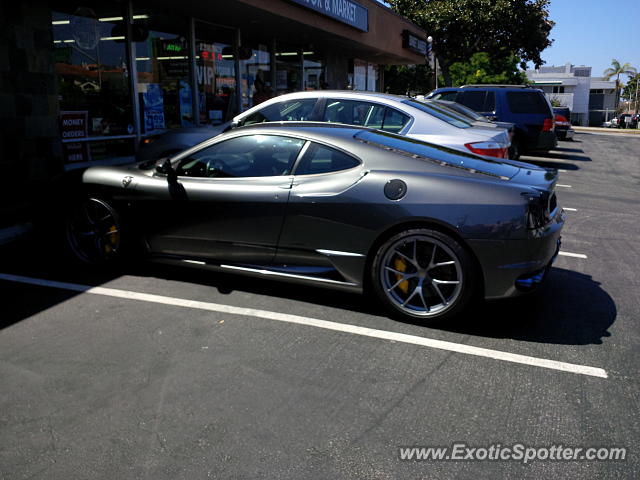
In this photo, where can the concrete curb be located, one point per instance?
(630, 131)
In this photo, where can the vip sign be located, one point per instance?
(205, 75)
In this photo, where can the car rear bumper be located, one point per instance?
(567, 134)
(513, 267)
(543, 141)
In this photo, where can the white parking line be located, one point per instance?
(563, 186)
(569, 209)
(314, 322)
(569, 254)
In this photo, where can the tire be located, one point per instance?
(515, 150)
(93, 232)
(423, 274)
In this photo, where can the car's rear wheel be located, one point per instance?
(515, 150)
(423, 274)
(94, 232)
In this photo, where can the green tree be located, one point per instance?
(401, 79)
(616, 70)
(461, 28)
(631, 91)
(482, 69)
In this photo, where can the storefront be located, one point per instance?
(129, 70)
(85, 82)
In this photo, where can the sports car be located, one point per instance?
(425, 228)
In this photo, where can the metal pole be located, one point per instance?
(236, 59)
(193, 73)
(272, 61)
(636, 102)
(133, 74)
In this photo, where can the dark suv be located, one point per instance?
(526, 107)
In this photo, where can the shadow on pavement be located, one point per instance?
(571, 308)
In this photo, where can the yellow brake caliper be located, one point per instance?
(113, 239)
(401, 265)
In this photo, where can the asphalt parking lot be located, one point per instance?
(178, 373)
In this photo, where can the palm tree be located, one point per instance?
(616, 70)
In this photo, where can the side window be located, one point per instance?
(474, 100)
(246, 156)
(490, 102)
(527, 102)
(353, 112)
(394, 121)
(321, 159)
(291, 110)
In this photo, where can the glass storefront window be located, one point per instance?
(216, 74)
(288, 70)
(162, 63)
(93, 81)
(366, 76)
(359, 75)
(314, 78)
(256, 77)
(372, 78)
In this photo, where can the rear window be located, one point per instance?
(527, 102)
(443, 114)
(479, 100)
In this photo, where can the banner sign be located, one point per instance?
(345, 11)
(73, 126)
(414, 43)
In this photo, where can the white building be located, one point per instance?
(590, 99)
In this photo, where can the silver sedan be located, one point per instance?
(427, 121)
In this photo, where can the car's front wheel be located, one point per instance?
(94, 232)
(423, 274)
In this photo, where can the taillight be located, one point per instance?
(489, 149)
(548, 125)
(562, 121)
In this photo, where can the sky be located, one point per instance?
(592, 32)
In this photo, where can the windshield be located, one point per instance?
(440, 112)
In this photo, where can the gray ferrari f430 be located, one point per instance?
(425, 228)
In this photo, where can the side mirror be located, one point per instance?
(164, 166)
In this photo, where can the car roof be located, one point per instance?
(515, 88)
(342, 93)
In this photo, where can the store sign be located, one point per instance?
(153, 104)
(74, 126)
(345, 11)
(414, 43)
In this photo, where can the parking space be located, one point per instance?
(160, 372)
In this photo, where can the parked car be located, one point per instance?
(528, 108)
(391, 113)
(563, 125)
(472, 114)
(622, 121)
(426, 226)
